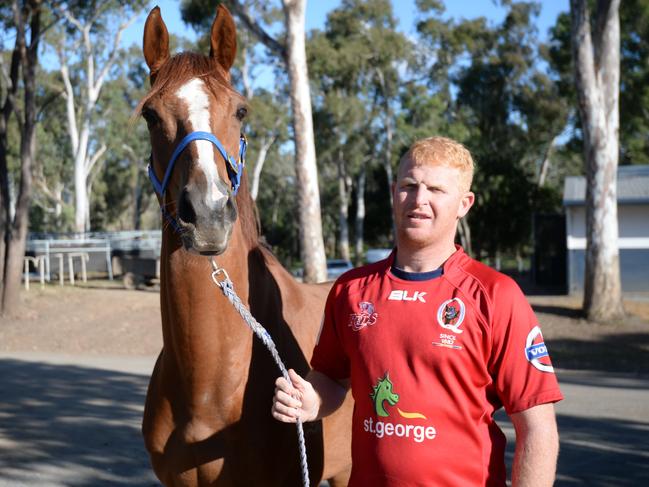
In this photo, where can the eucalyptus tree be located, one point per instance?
(51, 209)
(356, 63)
(87, 47)
(122, 190)
(634, 80)
(19, 78)
(290, 49)
(596, 54)
(506, 110)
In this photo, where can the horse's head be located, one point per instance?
(194, 118)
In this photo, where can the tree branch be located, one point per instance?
(270, 42)
(73, 130)
(113, 57)
(68, 16)
(95, 157)
(45, 103)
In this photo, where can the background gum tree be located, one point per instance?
(18, 78)
(292, 52)
(596, 54)
(87, 48)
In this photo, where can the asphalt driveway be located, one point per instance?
(74, 421)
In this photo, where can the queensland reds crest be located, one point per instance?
(450, 314)
(536, 352)
(366, 317)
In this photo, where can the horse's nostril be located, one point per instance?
(185, 209)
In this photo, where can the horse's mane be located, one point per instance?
(179, 69)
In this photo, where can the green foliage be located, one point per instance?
(356, 67)
(482, 84)
(634, 80)
(512, 113)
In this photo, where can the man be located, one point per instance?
(432, 343)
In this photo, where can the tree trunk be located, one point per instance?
(387, 166)
(8, 108)
(264, 146)
(387, 160)
(359, 251)
(312, 245)
(16, 240)
(343, 209)
(465, 235)
(597, 80)
(545, 164)
(94, 80)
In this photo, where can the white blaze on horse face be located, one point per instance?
(194, 95)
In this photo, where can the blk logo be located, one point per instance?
(398, 295)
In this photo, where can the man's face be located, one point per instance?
(428, 201)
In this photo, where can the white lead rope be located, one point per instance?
(228, 290)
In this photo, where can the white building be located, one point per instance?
(633, 226)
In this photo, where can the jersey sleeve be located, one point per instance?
(520, 363)
(329, 356)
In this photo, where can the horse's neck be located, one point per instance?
(203, 334)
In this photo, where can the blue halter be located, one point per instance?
(234, 168)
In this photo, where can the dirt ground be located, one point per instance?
(97, 318)
(102, 318)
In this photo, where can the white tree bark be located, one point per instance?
(359, 223)
(597, 78)
(265, 145)
(79, 120)
(387, 161)
(344, 190)
(545, 164)
(312, 245)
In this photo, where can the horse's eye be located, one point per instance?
(150, 116)
(241, 113)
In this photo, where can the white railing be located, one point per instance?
(47, 246)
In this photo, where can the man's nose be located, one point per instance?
(421, 195)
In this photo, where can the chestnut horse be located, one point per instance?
(207, 418)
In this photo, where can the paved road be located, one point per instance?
(74, 421)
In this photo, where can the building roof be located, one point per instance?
(632, 187)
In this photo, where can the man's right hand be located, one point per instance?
(293, 402)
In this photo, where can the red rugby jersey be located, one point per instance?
(430, 362)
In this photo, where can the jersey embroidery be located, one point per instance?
(447, 340)
(450, 314)
(399, 295)
(366, 317)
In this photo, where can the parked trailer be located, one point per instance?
(137, 270)
(135, 255)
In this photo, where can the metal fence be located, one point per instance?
(95, 248)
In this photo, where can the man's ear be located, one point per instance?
(465, 204)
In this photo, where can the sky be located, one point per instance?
(316, 14)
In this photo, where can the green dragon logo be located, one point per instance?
(382, 392)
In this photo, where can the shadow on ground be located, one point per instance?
(611, 352)
(80, 426)
(596, 452)
(564, 311)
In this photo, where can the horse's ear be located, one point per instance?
(223, 38)
(156, 42)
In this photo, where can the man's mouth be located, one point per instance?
(418, 216)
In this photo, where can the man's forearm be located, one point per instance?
(331, 394)
(537, 448)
